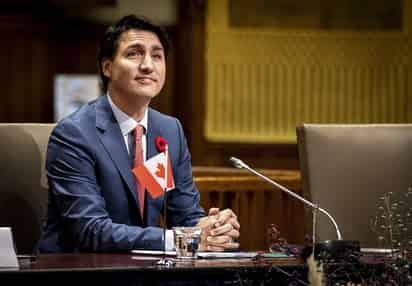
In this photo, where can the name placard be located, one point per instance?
(8, 258)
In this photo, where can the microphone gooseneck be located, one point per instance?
(241, 165)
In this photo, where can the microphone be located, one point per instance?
(332, 246)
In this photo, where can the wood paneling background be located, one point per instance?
(25, 69)
(38, 42)
(256, 203)
(36, 47)
(261, 82)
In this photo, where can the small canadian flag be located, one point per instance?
(152, 175)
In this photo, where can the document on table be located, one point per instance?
(153, 252)
(200, 254)
(227, 254)
(213, 255)
(379, 250)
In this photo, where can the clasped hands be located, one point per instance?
(220, 230)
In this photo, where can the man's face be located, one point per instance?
(138, 67)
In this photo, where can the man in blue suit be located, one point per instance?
(93, 199)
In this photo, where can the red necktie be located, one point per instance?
(138, 161)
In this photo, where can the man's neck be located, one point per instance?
(135, 107)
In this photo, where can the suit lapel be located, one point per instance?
(153, 130)
(112, 140)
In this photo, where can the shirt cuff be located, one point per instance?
(170, 240)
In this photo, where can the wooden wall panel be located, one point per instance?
(191, 101)
(256, 203)
(24, 57)
(263, 81)
(37, 48)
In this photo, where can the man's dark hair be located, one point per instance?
(110, 41)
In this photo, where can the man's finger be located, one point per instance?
(217, 240)
(234, 234)
(221, 229)
(232, 245)
(207, 222)
(228, 212)
(214, 248)
(224, 216)
(222, 247)
(213, 211)
(226, 229)
(234, 222)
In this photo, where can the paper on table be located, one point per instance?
(200, 254)
(8, 258)
(275, 255)
(213, 255)
(379, 250)
(242, 254)
(153, 252)
(235, 254)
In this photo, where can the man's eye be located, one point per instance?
(157, 56)
(133, 53)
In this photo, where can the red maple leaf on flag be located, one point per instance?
(160, 170)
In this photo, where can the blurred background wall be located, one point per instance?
(241, 75)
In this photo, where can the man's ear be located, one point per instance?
(107, 67)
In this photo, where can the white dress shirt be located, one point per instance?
(127, 124)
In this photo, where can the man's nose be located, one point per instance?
(146, 64)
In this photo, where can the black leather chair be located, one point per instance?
(347, 168)
(23, 184)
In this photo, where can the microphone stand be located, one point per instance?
(164, 262)
(334, 246)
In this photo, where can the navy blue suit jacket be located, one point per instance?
(93, 203)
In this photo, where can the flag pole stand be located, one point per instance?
(164, 261)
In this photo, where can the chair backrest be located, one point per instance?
(346, 169)
(23, 184)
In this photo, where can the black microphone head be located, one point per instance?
(236, 162)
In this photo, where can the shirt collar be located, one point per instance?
(126, 123)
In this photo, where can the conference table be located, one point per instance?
(132, 269)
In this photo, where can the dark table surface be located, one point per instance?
(131, 269)
(96, 262)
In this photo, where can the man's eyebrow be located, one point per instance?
(137, 45)
(157, 48)
(134, 46)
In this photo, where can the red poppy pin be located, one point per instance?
(161, 144)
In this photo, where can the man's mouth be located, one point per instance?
(145, 79)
